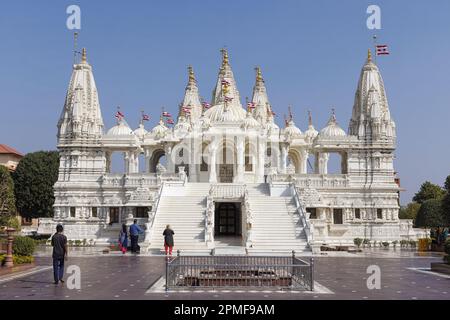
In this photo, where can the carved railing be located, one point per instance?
(229, 191)
(152, 215)
(131, 180)
(321, 180)
(303, 215)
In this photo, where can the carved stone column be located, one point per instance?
(212, 166)
(240, 160)
(284, 154)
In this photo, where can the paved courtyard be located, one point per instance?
(338, 276)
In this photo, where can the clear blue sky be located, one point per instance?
(311, 53)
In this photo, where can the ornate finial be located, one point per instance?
(83, 56)
(309, 118)
(191, 74)
(369, 55)
(285, 120)
(224, 57)
(247, 104)
(259, 77)
(333, 115)
(290, 113)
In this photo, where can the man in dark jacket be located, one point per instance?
(135, 230)
(59, 243)
(168, 240)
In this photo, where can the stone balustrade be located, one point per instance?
(228, 191)
(313, 180)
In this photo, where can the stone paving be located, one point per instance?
(132, 277)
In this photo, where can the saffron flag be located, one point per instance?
(225, 82)
(228, 99)
(382, 50)
(145, 117)
(186, 110)
(251, 105)
(170, 121)
(166, 114)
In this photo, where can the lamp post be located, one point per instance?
(9, 250)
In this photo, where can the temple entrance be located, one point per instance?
(227, 224)
(226, 173)
(114, 215)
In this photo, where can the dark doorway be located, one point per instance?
(227, 219)
(113, 215)
(337, 216)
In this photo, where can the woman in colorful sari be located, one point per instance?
(123, 239)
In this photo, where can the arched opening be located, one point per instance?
(117, 162)
(226, 160)
(337, 163)
(249, 157)
(310, 164)
(158, 158)
(293, 164)
(142, 164)
(182, 159)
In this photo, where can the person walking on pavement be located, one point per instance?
(123, 239)
(168, 239)
(59, 244)
(135, 230)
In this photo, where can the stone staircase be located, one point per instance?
(276, 227)
(183, 207)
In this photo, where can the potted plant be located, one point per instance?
(358, 242)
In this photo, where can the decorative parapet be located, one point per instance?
(227, 191)
(325, 181)
(129, 180)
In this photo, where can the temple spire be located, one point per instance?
(259, 77)
(369, 55)
(83, 56)
(224, 57)
(191, 74)
(309, 118)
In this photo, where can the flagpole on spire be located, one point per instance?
(375, 47)
(75, 39)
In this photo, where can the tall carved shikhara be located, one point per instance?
(258, 151)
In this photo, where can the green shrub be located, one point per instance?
(404, 243)
(77, 243)
(22, 259)
(84, 242)
(412, 243)
(23, 246)
(394, 243)
(385, 244)
(366, 242)
(70, 242)
(17, 259)
(358, 242)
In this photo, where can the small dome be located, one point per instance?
(140, 132)
(311, 133)
(160, 130)
(218, 113)
(332, 129)
(182, 127)
(272, 127)
(120, 129)
(292, 129)
(250, 122)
